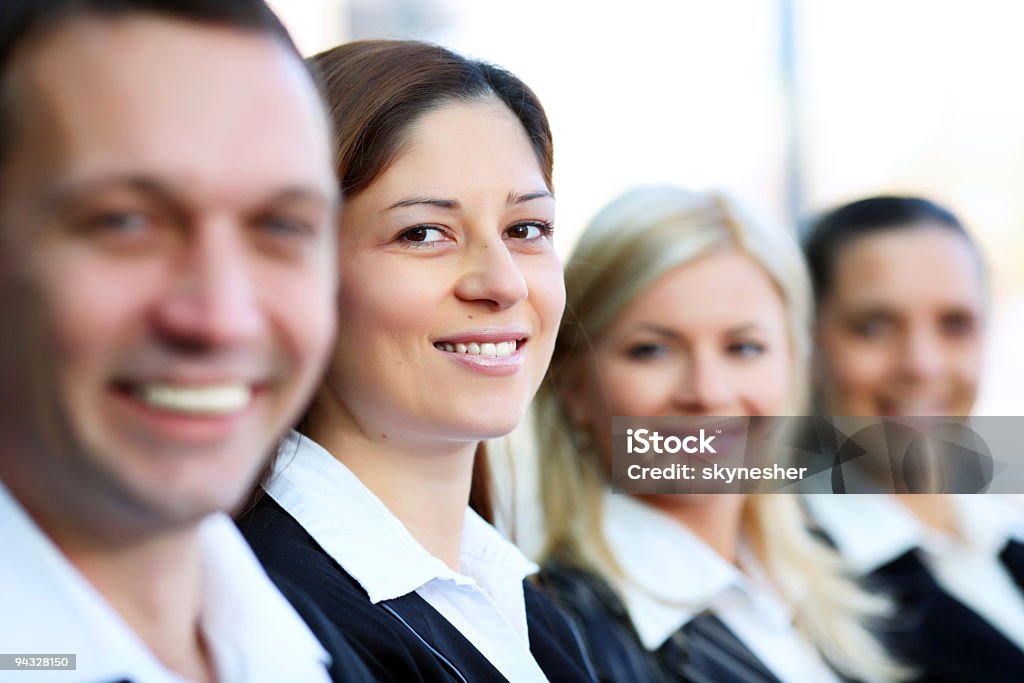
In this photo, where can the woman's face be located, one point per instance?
(707, 338)
(451, 291)
(900, 331)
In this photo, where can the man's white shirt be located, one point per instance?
(48, 607)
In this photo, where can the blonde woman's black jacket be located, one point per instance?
(702, 651)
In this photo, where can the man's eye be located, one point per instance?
(422, 234)
(285, 226)
(958, 324)
(119, 222)
(530, 230)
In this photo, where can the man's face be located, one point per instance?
(168, 260)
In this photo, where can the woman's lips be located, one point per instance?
(488, 349)
(496, 358)
(912, 407)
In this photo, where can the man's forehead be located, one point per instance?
(142, 47)
(206, 104)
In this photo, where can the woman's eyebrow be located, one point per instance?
(743, 328)
(515, 198)
(451, 204)
(657, 329)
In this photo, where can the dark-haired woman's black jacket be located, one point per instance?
(943, 639)
(405, 639)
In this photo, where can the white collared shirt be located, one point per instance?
(485, 603)
(48, 607)
(672, 575)
(871, 530)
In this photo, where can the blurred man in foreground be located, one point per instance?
(167, 275)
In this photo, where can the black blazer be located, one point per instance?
(702, 651)
(405, 639)
(944, 639)
(346, 666)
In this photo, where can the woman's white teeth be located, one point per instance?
(489, 349)
(213, 399)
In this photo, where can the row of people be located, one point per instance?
(679, 303)
(174, 270)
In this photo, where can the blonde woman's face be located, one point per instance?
(707, 338)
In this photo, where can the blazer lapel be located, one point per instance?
(706, 651)
(1013, 559)
(448, 643)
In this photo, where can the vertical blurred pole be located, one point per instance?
(793, 181)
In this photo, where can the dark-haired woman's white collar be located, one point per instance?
(871, 531)
(485, 602)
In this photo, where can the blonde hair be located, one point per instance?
(631, 243)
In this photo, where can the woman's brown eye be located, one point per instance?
(422, 234)
(529, 231)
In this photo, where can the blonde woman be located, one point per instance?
(678, 304)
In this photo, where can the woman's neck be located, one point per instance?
(426, 488)
(934, 510)
(715, 519)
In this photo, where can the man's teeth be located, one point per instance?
(489, 349)
(213, 399)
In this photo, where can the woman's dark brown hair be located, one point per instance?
(377, 90)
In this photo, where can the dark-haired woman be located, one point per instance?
(450, 299)
(901, 302)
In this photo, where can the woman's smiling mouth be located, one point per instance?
(489, 353)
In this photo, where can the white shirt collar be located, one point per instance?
(318, 490)
(253, 633)
(486, 603)
(672, 575)
(871, 530)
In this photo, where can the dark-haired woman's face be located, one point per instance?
(451, 290)
(900, 331)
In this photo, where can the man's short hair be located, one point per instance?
(23, 21)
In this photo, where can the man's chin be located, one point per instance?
(166, 498)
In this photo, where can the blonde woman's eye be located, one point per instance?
(646, 351)
(530, 230)
(747, 349)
